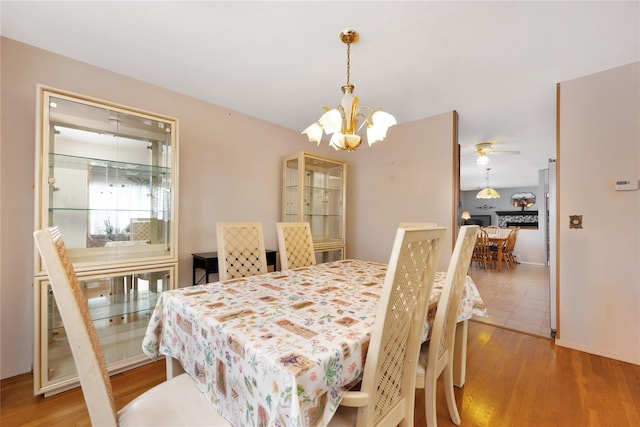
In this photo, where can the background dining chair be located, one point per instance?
(481, 254)
(387, 392)
(436, 355)
(176, 402)
(295, 245)
(499, 250)
(241, 250)
(507, 253)
(493, 230)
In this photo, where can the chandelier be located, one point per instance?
(345, 121)
(488, 192)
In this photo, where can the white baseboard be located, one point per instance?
(532, 263)
(597, 351)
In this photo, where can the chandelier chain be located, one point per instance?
(348, 63)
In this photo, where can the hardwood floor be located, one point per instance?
(517, 299)
(513, 379)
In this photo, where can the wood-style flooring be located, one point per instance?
(513, 379)
(516, 299)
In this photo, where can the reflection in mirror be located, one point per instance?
(109, 175)
(523, 200)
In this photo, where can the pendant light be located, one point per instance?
(488, 192)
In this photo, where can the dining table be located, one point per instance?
(280, 349)
(498, 241)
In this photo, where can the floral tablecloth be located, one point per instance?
(279, 349)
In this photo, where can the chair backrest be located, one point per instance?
(444, 324)
(511, 239)
(482, 241)
(79, 328)
(493, 230)
(390, 368)
(418, 224)
(241, 250)
(295, 245)
(140, 229)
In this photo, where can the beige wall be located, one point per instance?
(599, 265)
(406, 179)
(230, 169)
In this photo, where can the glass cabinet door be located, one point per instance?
(324, 199)
(291, 206)
(108, 180)
(120, 305)
(329, 255)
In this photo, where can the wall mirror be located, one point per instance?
(523, 200)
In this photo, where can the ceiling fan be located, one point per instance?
(484, 148)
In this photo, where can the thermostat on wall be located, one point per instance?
(626, 185)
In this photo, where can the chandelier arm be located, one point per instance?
(365, 120)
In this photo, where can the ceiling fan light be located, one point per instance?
(482, 160)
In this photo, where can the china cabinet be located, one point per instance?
(107, 177)
(314, 192)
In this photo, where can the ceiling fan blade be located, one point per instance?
(503, 152)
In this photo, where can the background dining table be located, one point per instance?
(279, 349)
(499, 242)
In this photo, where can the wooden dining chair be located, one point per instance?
(241, 250)
(387, 392)
(492, 230)
(436, 355)
(295, 245)
(176, 402)
(507, 252)
(481, 254)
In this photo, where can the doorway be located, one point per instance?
(517, 299)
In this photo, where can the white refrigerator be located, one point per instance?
(551, 210)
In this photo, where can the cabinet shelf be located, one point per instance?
(308, 187)
(308, 216)
(112, 307)
(133, 211)
(87, 163)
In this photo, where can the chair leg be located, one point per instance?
(448, 392)
(430, 399)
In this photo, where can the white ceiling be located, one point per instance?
(496, 63)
